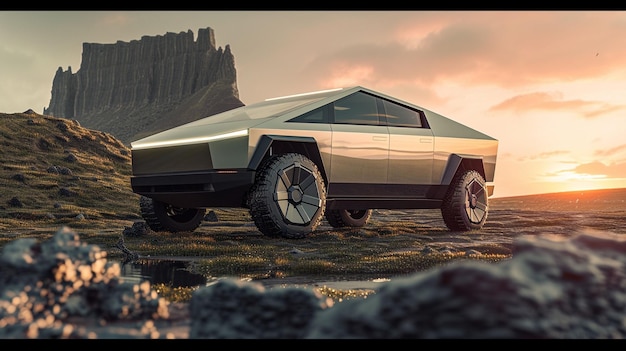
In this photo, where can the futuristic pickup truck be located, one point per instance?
(293, 161)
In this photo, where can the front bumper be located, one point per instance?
(217, 188)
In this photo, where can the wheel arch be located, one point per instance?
(270, 145)
(458, 163)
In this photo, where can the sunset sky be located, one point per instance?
(549, 85)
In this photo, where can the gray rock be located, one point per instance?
(211, 216)
(548, 290)
(19, 177)
(242, 310)
(70, 158)
(64, 170)
(146, 85)
(137, 229)
(42, 285)
(67, 192)
(15, 202)
(53, 169)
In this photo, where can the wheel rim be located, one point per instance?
(356, 214)
(297, 194)
(178, 214)
(475, 201)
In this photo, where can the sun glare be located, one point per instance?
(565, 181)
(568, 176)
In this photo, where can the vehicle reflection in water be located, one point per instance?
(158, 271)
(175, 274)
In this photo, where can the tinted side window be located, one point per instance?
(400, 116)
(318, 115)
(358, 108)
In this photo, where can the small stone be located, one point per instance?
(66, 192)
(15, 202)
(53, 169)
(19, 177)
(65, 171)
(62, 126)
(211, 217)
(70, 158)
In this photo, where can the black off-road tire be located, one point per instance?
(348, 218)
(466, 205)
(288, 197)
(162, 217)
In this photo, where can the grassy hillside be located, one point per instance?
(54, 169)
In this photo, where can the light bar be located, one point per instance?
(238, 133)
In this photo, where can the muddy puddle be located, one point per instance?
(175, 273)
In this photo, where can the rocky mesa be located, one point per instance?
(138, 88)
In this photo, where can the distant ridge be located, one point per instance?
(134, 89)
(592, 200)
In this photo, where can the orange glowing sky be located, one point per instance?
(549, 85)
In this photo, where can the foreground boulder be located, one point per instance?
(44, 285)
(244, 310)
(550, 289)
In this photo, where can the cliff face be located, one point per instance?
(134, 89)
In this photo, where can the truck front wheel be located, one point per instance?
(288, 197)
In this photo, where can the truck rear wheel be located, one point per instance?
(348, 218)
(164, 217)
(465, 206)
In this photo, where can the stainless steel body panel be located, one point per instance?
(410, 156)
(359, 154)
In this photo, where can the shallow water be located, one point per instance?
(169, 272)
(175, 274)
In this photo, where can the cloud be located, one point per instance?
(553, 102)
(114, 19)
(544, 155)
(506, 49)
(454, 52)
(595, 169)
(614, 170)
(611, 151)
